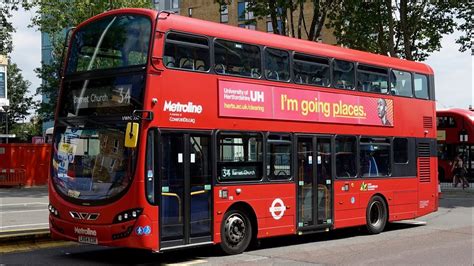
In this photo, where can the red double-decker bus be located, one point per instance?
(455, 137)
(174, 132)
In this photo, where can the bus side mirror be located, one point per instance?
(131, 135)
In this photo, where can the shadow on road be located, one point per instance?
(103, 255)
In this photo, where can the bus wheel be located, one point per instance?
(236, 232)
(376, 215)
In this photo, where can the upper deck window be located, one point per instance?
(277, 64)
(111, 42)
(240, 59)
(421, 86)
(446, 122)
(400, 83)
(343, 74)
(372, 79)
(186, 52)
(311, 70)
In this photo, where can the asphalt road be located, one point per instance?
(441, 238)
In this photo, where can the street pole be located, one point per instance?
(6, 126)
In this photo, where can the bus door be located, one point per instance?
(314, 181)
(185, 189)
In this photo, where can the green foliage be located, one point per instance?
(402, 28)
(288, 16)
(24, 131)
(6, 27)
(465, 14)
(52, 18)
(20, 102)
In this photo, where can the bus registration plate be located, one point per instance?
(88, 240)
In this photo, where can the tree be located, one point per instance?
(401, 28)
(283, 18)
(53, 18)
(465, 14)
(20, 102)
(6, 27)
(24, 131)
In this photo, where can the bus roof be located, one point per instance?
(197, 26)
(466, 114)
(169, 21)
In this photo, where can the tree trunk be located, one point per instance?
(312, 29)
(404, 29)
(391, 34)
(301, 18)
(271, 5)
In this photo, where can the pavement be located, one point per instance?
(24, 212)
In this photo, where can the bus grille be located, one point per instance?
(423, 150)
(427, 122)
(424, 169)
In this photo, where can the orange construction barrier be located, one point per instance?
(24, 164)
(12, 177)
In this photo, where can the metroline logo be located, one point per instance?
(85, 231)
(182, 108)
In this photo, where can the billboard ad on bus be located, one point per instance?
(237, 99)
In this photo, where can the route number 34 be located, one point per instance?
(124, 95)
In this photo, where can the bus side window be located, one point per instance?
(186, 52)
(372, 79)
(238, 59)
(343, 74)
(400, 83)
(277, 64)
(421, 86)
(311, 70)
(346, 155)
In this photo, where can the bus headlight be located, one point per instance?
(53, 210)
(128, 215)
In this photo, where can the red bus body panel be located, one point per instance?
(406, 198)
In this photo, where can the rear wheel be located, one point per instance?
(376, 215)
(236, 232)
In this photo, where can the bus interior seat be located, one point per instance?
(186, 63)
(169, 61)
(220, 68)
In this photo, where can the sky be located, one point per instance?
(453, 69)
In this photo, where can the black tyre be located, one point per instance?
(236, 232)
(376, 215)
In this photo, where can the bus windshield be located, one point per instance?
(111, 42)
(90, 162)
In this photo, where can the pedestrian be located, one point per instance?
(459, 172)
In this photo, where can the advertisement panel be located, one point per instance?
(237, 99)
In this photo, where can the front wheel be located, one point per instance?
(236, 232)
(376, 215)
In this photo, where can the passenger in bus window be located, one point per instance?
(382, 112)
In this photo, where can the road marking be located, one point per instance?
(187, 263)
(25, 204)
(22, 225)
(42, 210)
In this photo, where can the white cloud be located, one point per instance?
(26, 47)
(453, 74)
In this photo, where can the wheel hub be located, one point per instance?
(235, 229)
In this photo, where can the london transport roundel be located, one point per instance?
(277, 209)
